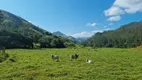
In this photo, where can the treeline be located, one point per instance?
(13, 40)
(127, 36)
(10, 39)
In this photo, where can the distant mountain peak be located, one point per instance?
(78, 40)
(58, 33)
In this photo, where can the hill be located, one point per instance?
(126, 36)
(19, 26)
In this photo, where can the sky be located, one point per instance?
(78, 18)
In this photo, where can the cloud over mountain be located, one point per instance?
(86, 34)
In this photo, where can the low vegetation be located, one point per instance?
(108, 64)
(3, 55)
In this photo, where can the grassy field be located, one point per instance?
(109, 64)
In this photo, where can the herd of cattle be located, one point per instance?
(72, 57)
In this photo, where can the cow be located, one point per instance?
(74, 56)
(55, 57)
(89, 61)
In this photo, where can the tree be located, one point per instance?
(3, 55)
(14, 40)
(51, 42)
(1, 17)
(69, 44)
(45, 42)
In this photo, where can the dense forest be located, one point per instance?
(16, 32)
(126, 36)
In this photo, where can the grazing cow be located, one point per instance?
(55, 57)
(89, 61)
(74, 56)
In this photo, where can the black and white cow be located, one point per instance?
(55, 57)
(89, 61)
(74, 56)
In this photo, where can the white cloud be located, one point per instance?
(129, 6)
(113, 11)
(30, 21)
(82, 34)
(120, 7)
(88, 34)
(91, 24)
(114, 18)
(95, 31)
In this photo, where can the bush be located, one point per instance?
(3, 55)
(69, 45)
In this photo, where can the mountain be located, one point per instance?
(18, 26)
(76, 40)
(58, 33)
(129, 35)
(80, 40)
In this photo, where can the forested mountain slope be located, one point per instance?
(18, 26)
(129, 35)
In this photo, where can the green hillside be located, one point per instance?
(15, 24)
(129, 35)
(14, 40)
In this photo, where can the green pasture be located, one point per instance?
(37, 64)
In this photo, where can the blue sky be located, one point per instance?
(79, 18)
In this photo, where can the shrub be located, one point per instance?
(3, 55)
